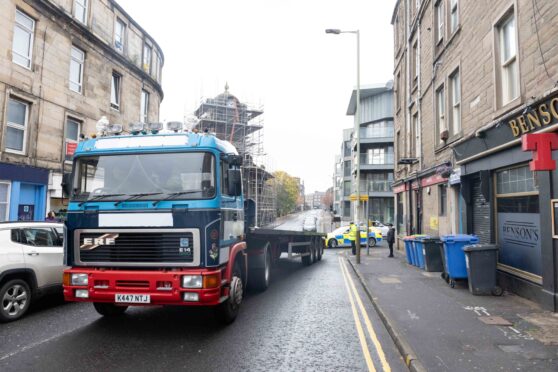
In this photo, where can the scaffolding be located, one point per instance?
(242, 125)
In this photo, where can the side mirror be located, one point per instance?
(235, 182)
(67, 184)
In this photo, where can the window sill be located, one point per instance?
(114, 107)
(15, 152)
(507, 108)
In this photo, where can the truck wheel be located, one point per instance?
(258, 279)
(307, 260)
(228, 310)
(371, 242)
(314, 252)
(108, 309)
(320, 250)
(15, 298)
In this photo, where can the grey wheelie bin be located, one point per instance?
(481, 260)
(431, 252)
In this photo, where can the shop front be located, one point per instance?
(22, 193)
(508, 201)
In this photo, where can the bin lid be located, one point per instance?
(480, 247)
(428, 239)
(460, 238)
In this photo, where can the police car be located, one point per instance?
(340, 237)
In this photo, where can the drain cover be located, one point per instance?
(495, 320)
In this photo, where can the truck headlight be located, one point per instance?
(192, 281)
(80, 279)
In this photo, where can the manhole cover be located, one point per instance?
(388, 280)
(495, 320)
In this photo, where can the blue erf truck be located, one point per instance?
(160, 219)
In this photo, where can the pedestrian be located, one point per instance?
(390, 238)
(353, 237)
(51, 217)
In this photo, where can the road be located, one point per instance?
(311, 318)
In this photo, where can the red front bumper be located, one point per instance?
(104, 285)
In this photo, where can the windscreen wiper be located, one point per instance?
(98, 197)
(136, 196)
(173, 194)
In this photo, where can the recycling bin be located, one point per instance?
(409, 249)
(481, 260)
(431, 253)
(419, 250)
(455, 256)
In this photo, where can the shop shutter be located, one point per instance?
(481, 212)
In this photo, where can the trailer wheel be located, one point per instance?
(228, 310)
(314, 251)
(109, 310)
(258, 279)
(307, 260)
(320, 250)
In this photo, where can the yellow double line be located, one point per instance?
(353, 294)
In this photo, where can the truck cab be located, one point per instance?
(155, 219)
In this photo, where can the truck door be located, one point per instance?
(42, 252)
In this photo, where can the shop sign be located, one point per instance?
(455, 177)
(541, 144)
(542, 115)
(71, 148)
(400, 188)
(519, 239)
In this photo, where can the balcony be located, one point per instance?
(377, 161)
(376, 134)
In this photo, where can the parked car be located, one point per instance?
(340, 237)
(31, 264)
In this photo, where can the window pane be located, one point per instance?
(22, 41)
(72, 130)
(39, 237)
(115, 90)
(4, 192)
(24, 20)
(14, 138)
(17, 112)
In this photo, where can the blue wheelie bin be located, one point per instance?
(409, 249)
(419, 249)
(454, 257)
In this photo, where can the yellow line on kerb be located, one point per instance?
(360, 331)
(375, 341)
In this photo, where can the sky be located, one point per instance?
(273, 53)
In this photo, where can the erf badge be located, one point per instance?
(185, 248)
(214, 251)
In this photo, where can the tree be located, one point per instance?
(287, 192)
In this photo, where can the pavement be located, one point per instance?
(437, 328)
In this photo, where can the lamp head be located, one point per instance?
(335, 31)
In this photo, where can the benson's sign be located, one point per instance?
(542, 115)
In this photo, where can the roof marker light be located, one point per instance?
(175, 126)
(155, 127)
(136, 128)
(115, 129)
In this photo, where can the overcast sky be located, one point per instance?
(274, 53)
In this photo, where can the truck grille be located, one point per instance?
(137, 247)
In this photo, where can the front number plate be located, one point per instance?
(132, 298)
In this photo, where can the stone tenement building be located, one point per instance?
(471, 78)
(65, 64)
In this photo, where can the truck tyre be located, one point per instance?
(314, 252)
(258, 279)
(320, 250)
(228, 310)
(108, 309)
(15, 298)
(307, 260)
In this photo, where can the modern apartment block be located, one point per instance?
(471, 79)
(376, 158)
(65, 64)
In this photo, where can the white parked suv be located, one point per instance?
(31, 265)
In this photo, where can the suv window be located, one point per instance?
(36, 236)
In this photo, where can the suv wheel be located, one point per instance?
(15, 297)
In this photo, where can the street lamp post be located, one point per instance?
(357, 130)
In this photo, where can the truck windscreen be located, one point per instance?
(157, 176)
